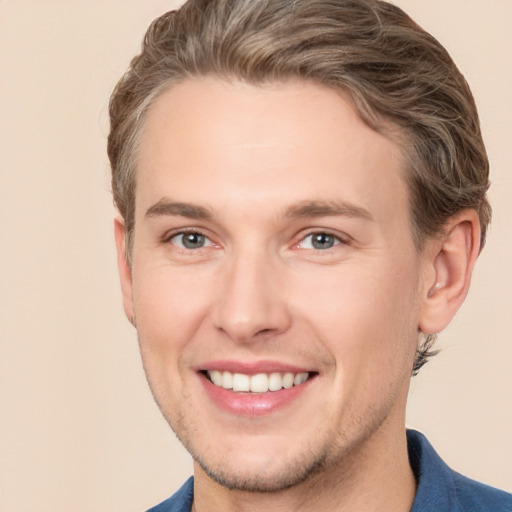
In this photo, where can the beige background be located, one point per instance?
(78, 429)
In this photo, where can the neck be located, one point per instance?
(374, 477)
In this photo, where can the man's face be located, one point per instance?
(272, 245)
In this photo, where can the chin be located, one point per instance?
(262, 480)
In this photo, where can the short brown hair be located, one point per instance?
(394, 72)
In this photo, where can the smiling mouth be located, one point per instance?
(258, 383)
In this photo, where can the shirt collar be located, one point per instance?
(434, 479)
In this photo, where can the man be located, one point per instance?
(302, 197)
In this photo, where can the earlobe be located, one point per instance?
(125, 271)
(450, 260)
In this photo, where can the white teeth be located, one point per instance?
(240, 382)
(288, 380)
(227, 380)
(216, 377)
(275, 382)
(259, 383)
(300, 378)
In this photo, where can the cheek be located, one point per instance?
(366, 316)
(169, 309)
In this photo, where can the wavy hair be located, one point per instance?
(394, 72)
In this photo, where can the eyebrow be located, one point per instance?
(167, 207)
(323, 208)
(302, 209)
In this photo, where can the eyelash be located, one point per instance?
(169, 238)
(337, 240)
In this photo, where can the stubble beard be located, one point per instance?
(314, 465)
(334, 456)
(293, 473)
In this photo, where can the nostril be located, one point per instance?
(264, 331)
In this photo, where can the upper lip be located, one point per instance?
(252, 367)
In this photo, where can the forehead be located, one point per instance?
(220, 143)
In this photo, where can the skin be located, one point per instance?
(250, 163)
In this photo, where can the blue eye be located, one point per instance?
(319, 241)
(190, 240)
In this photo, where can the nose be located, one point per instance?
(251, 302)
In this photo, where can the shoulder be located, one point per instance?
(441, 488)
(475, 496)
(180, 501)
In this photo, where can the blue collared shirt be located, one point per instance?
(440, 489)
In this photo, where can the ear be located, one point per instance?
(450, 259)
(125, 271)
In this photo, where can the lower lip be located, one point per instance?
(252, 404)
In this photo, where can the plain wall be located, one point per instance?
(78, 427)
